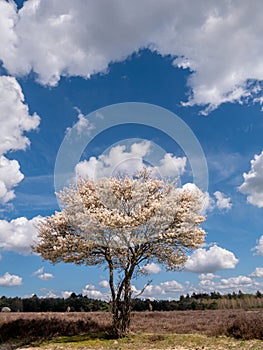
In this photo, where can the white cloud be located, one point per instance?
(253, 182)
(38, 272)
(259, 247)
(236, 282)
(18, 234)
(90, 287)
(8, 17)
(207, 284)
(171, 287)
(207, 276)
(246, 284)
(150, 268)
(15, 120)
(83, 125)
(222, 202)
(152, 291)
(8, 280)
(211, 260)
(121, 159)
(163, 289)
(14, 116)
(48, 293)
(218, 201)
(118, 159)
(104, 284)
(45, 276)
(171, 165)
(66, 294)
(91, 292)
(10, 176)
(258, 273)
(80, 40)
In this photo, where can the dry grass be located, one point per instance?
(161, 322)
(208, 322)
(102, 318)
(161, 328)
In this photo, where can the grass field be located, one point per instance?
(150, 341)
(208, 329)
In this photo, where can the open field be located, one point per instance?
(149, 330)
(151, 342)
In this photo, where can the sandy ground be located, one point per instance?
(70, 348)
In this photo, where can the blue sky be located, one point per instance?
(60, 62)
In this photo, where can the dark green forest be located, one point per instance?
(80, 303)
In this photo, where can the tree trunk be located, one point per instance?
(121, 300)
(121, 310)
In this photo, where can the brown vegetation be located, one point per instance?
(26, 327)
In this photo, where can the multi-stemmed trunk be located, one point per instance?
(121, 312)
(121, 301)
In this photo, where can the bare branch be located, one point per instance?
(143, 289)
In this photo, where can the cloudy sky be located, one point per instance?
(197, 64)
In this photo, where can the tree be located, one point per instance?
(122, 223)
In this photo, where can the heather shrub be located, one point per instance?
(39, 329)
(246, 328)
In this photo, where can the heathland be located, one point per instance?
(225, 328)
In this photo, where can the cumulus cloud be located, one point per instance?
(71, 40)
(83, 125)
(66, 294)
(104, 284)
(118, 159)
(10, 176)
(150, 268)
(171, 287)
(48, 293)
(247, 284)
(207, 276)
(15, 120)
(222, 202)
(163, 289)
(18, 234)
(236, 282)
(90, 291)
(124, 160)
(207, 284)
(211, 260)
(14, 116)
(253, 182)
(218, 201)
(258, 273)
(259, 247)
(8, 280)
(171, 166)
(45, 276)
(152, 291)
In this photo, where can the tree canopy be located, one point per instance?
(123, 223)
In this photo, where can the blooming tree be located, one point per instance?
(121, 223)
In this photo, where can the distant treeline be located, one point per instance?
(80, 303)
(202, 301)
(73, 303)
